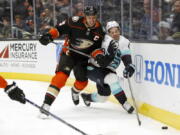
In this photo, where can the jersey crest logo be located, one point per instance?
(82, 43)
(75, 18)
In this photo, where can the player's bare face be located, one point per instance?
(114, 33)
(91, 20)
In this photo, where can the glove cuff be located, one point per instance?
(9, 88)
(131, 65)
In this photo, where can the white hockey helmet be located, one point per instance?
(111, 24)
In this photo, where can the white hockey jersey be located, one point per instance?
(123, 49)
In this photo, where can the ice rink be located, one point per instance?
(101, 118)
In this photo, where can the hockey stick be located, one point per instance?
(76, 51)
(56, 117)
(134, 102)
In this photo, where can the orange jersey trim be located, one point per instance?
(66, 44)
(97, 52)
(3, 82)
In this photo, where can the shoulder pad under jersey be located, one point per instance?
(75, 18)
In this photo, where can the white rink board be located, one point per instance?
(27, 57)
(157, 77)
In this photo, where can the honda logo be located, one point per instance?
(138, 61)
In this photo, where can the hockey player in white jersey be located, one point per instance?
(102, 68)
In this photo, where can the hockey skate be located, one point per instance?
(86, 99)
(44, 111)
(128, 107)
(75, 96)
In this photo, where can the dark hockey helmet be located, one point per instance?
(90, 10)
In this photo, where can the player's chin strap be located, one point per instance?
(71, 49)
(56, 117)
(134, 101)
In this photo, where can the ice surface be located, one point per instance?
(101, 118)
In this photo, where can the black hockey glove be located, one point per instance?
(99, 57)
(45, 39)
(113, 46)
(129, 70)
(100, 60)
(15, 93)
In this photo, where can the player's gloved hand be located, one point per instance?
(129, 70)
(45, 39)
(113, 46)
(98, 56)
(100, 60)
(15, 93)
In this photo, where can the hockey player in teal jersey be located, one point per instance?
(103, 65)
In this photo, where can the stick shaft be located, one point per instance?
(134, 101)
(57, 118)
(76, 51)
